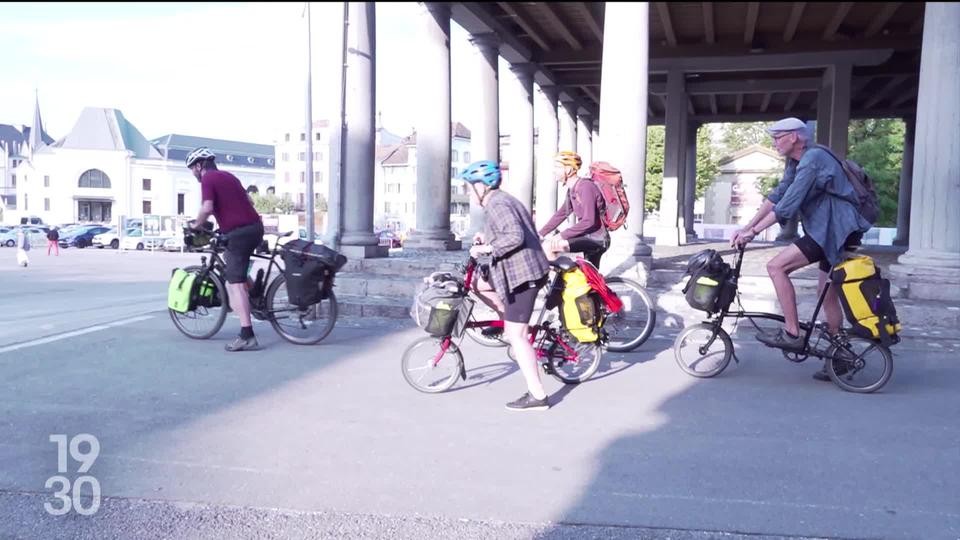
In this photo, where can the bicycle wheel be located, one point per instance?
(203, 322)
(426, 369)
(861, 365)
(483, 313)
(577, 367)
(631, 326)
(301, 326)
(689, 351)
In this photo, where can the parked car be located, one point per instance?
(134, 239)
(81, 236)
(175, 243)
(38, 236)
(390, 239)
(109, 238)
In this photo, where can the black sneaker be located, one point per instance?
(242, 344)
(528, 403)
(781, 340)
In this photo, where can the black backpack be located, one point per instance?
(869, 203)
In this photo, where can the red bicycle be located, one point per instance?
(433, 364)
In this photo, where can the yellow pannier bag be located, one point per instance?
(579, 309)
(865, 297)
(180, 290)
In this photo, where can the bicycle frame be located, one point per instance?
(218, 265)
(535, 329)
(806, 326)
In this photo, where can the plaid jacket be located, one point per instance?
(517, 255)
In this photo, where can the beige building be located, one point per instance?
(734, 197)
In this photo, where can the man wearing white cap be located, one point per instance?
(815, 187)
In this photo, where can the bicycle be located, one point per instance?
(305, 326)
(844, 354)
(626, 329)
(558, 353)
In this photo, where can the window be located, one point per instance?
(46, 181)
(286, 156)
(147, 207)
(250, 160)
(269, 161)
(46, 205)
(272, 190)
(318, 136)
(286, 137)
(26, 201)
(316, 177)
(181, 203)
(13, 180)
(146, 184)
(454, 155)
(301, 155)
(93, 178)
(466, 157)
(386, 207)
(286, 177)
(229, 157)
(301, 199)
(303, 136)
(303, 177)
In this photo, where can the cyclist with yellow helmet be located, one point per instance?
(589, 235)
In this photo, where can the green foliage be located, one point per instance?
(877, 145)
(271, 204)
(736, 137)
(708, 159)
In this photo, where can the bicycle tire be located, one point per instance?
(219, 318)
(432, 343)
(724, 361)
(595, 352)
(835, 360)
(645, 313)
(324, 311)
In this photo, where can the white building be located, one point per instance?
(734, 196)
(105, 168)
(395, 182)
(15, 144)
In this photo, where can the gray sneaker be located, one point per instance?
(242, 344)
(528, 403)
(781, 340)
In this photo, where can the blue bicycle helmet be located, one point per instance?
(486, 172)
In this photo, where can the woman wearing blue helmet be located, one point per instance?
(518, 270)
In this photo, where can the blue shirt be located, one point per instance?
(817, 189)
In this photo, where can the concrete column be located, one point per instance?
(548, 127)
(840, 75)
(906, 184)
(520, 182)
(623, 119)
(690, 180)
(485, 143)
(568, 126)
(433, 131)
(358, 239)
(594, 140)
(585, 140)
(674, 165)
(823, 112)
(931, 267)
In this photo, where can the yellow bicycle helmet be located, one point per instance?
(568, 159)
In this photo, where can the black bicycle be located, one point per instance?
(854, 363)
(303, 326)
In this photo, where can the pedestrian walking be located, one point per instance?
(53, 241)
(23, 246)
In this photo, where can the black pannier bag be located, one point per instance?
(309, 270)
(710, 287)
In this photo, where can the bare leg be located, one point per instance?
(240, 302)
(487, 295)
(831, 305)
(779, 269)
(517, 334)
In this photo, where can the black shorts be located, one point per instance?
(591, 248)
(241, 243)
(814, 253)
(520, 301)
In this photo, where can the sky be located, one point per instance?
(232, 71)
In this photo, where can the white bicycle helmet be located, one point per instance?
(199, 154)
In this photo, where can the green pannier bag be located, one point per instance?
(185, 294)
(180, 291)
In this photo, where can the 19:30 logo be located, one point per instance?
(67, 492)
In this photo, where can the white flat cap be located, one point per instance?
(787, 124)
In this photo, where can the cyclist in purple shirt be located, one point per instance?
(223, 196)
(588, 236)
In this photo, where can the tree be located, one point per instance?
(707, 168)
(271, 204)
(877, 145)
(736, 137)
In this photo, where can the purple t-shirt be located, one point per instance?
(231, 204)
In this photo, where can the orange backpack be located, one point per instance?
(610, 182)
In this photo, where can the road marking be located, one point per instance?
(65, 335)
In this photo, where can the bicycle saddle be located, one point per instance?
(563, 263)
